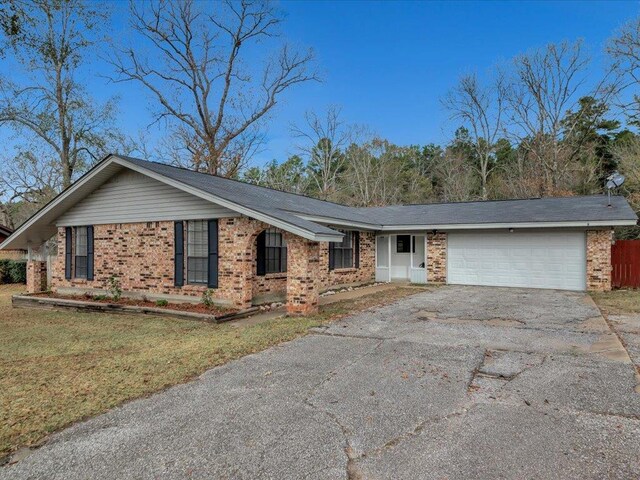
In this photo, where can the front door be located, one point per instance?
(382, 259)
(401, 257)
(418, 271)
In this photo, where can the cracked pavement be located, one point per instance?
(458, 382)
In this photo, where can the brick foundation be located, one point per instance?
(599, 260)
(36, 276)
(437, 257)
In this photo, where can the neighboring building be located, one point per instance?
(4, 233)
(167, 232)
(10, 254)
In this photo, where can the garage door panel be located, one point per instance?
(540, 260)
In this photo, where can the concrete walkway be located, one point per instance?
(456, 383)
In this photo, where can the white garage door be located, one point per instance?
(538, 260)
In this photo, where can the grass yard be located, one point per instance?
(618, 301)
(59, 367)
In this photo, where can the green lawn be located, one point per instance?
(59, 367)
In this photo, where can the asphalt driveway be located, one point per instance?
(459, 382)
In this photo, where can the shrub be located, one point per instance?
(161, 303)
(114, 288)
(13, 271)
(99, 297)
(4, 270)
(207, 298)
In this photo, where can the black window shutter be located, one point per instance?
(261, 267)
(332, 256)
(213, 254)
(356, 240)
(90, 252)
(283, 260)
(179, 254)
(68, 252)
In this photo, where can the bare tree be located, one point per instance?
(480, 110)
(544, 87)
(455, 180)
(362, 174)
(48, 40)
(322, 142)
(199, 74)
(627, 155)
(389, 174)
(624, 49)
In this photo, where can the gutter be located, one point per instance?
(480, 226)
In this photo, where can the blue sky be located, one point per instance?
(389, 63)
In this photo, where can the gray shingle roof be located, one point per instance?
(309, 217)
(265, 200)
(281, 204)
(565, 209)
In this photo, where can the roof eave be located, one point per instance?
(479, 226)
(17, 234)
(338, 221)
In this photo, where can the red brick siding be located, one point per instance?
(599, 260)
(303, 264)
(437, 257)
(365, 273)
(270, 283)
(36, 276)
(141, 256)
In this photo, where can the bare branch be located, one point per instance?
(198, 79)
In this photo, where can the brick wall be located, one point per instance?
(141, 256)
(599, 260)
(270, 284)
(303, 265)
(36, 276)
(344, 276)
(13, 254)
(437, 257)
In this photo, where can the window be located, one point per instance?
(197, 251)
(403, 244)
(80, 252)
(341, 254)
(272, 252)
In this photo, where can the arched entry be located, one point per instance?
(300, 282)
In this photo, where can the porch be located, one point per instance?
(415, 257)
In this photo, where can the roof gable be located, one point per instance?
(131, 197)
(42, 225)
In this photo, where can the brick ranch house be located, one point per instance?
(166, 232)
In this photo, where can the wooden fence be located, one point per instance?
(625, 260)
